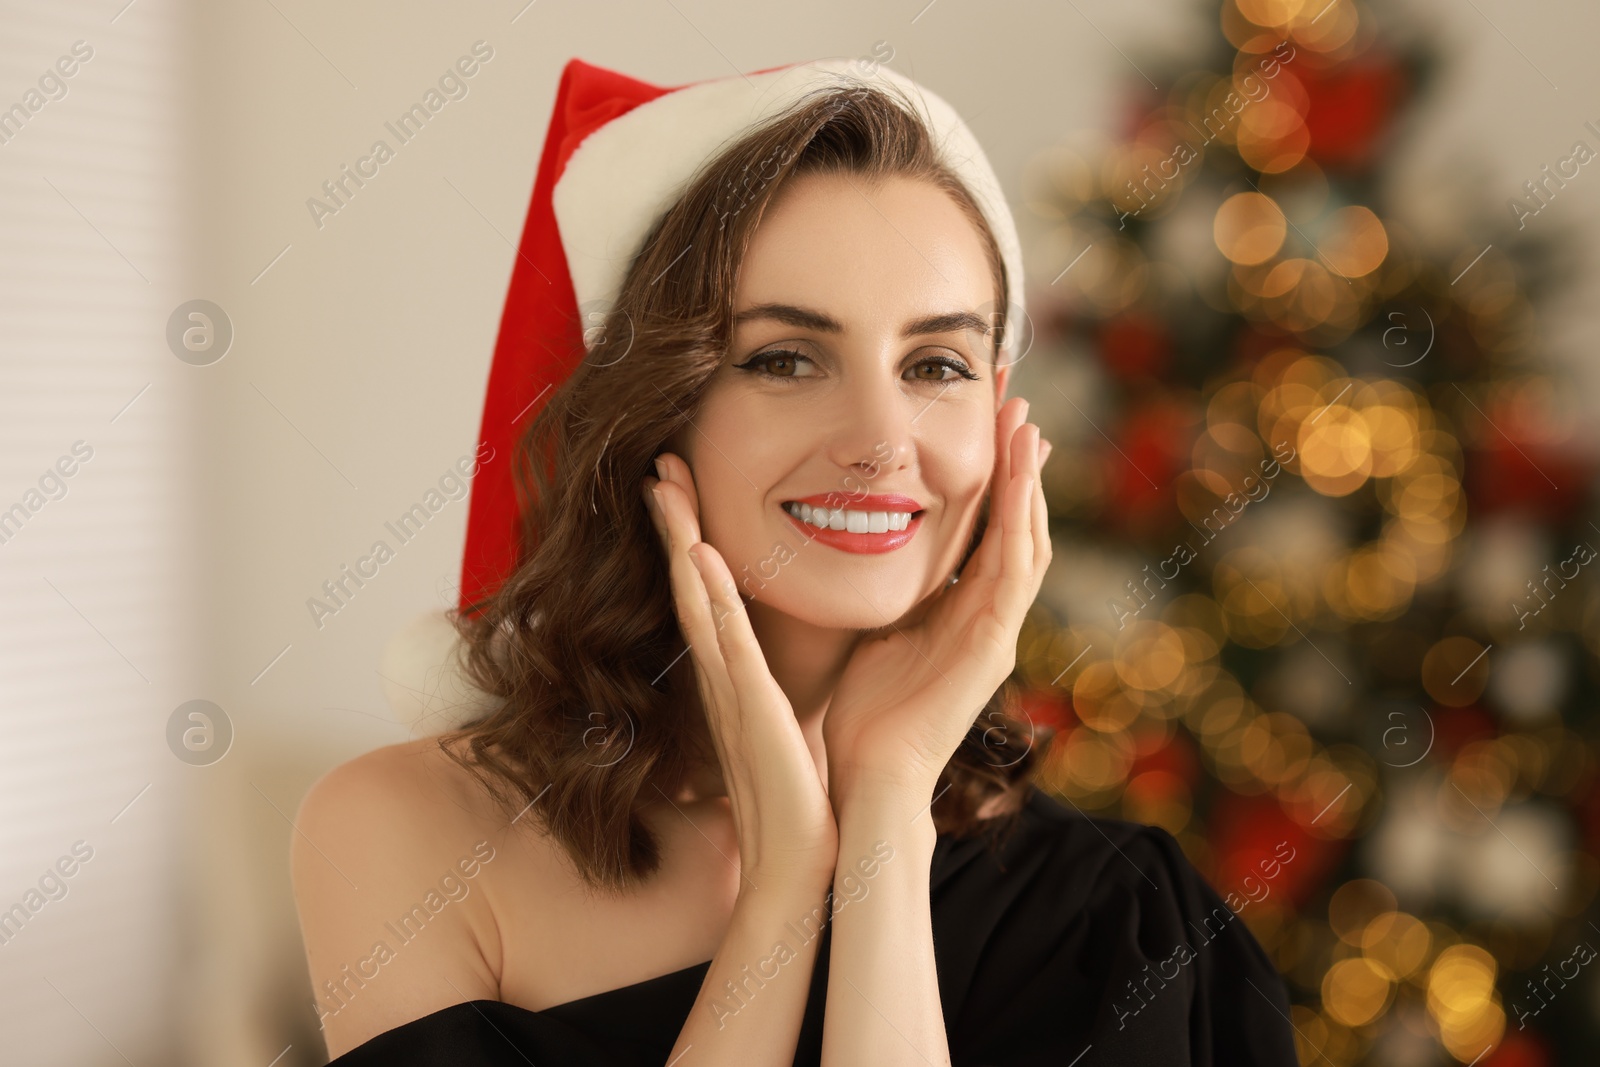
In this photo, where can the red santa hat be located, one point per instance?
(618, 153)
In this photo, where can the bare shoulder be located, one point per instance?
(389, 858)
(398, 778)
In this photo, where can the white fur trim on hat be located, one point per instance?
(627, 173)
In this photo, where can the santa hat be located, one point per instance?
(617, 155)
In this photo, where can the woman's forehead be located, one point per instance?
(853, 250)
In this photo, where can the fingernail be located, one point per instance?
(661, 470)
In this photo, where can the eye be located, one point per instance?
(785, 358)
(940, 365)
(788, 363)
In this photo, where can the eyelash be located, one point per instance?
(754, 363)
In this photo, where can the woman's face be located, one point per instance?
(859, 378)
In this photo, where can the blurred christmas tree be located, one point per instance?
(1323, 579)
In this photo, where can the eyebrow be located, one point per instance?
(806, 318)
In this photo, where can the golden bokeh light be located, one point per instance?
(1234, 402)
(1356, 991)
(1101, 702)
(1249, 228)
(1298, 294)
(1231, 454)
(1087, 765)
(1463, 1001)
(1357, 242)
(1331, 30)
(1320, 25)
(1273, 14)
(1374, 582)
(1196, 613)
(1272, 136)
(1256, 605)
(1399, 941)
(1335, 446)
(1454, 671)
(1354, 905)
(1484, 775)
(1392, 429)
(1148, 655)
(1158, 798)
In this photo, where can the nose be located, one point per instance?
(876, 424)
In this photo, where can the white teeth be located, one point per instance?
(847, 519)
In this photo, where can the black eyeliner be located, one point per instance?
(753, 365)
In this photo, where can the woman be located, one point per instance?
(749, 794)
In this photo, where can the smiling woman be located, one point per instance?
(812, 394)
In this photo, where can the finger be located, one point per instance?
(1014, 586)
(672, 468)
(986, 561)
(690, 597)
(677, 484)
(1040, 528)
(761, 725)
(1025, 444)
(1013, 415)
(753, 684)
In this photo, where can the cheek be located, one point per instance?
(729, 454)
(957, 456)
(958, 464)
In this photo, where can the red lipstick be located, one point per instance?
(860, 543)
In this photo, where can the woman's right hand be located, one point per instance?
(781, 813)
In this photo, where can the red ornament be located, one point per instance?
(1456, 728)
(1519, 1048)
(1252, 837)
(1585, 801)
(1177, 758)
(1519, 475)
(1348, 107)
(1049, 708)
(1135, 346)
(1150, 448)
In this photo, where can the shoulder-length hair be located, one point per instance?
(596, 709)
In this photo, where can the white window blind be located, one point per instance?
(96, 639)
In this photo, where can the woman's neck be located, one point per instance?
(805, 660)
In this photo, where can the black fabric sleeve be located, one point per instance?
(1187, 982)
(1085, 942)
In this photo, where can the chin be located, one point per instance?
(831, 602)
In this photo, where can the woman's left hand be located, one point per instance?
(908, 697)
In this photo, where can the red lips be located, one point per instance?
(860, 543)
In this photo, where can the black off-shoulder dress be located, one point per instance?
(1081, 942)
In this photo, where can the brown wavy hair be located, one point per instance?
(596, 711)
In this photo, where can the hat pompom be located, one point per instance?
(423, 678)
